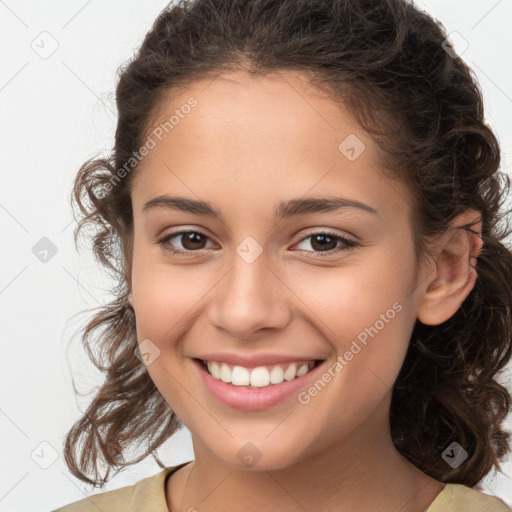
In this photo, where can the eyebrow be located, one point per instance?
(299, 206)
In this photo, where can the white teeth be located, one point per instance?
(260, 376)
(303, 370)
(276, 375)
(290, 372)
(214, 369)
(225, 373)
(240, 376)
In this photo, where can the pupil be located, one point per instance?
(192, 238)
(323, 238)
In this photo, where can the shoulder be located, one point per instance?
(147, 494)
(460, 498)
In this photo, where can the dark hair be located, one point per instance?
(388, 63)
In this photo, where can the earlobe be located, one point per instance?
(455, 273)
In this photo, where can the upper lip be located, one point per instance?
(254, 360)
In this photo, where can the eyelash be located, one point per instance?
(350, 244)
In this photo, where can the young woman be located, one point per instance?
(303, 210)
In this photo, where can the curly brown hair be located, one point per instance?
(389, 64)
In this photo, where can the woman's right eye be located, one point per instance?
(189, 243)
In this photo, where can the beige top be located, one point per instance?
(148, 495)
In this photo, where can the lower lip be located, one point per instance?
(253, 399)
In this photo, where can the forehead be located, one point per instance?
(269, 112)
(259, 136)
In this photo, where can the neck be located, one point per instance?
(362, 471)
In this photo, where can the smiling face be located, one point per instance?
(261, 271)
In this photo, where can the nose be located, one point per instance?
(249, 298)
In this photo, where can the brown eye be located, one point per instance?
(323, 242)
(190, 241)
(326, 244)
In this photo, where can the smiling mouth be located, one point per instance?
(260, 376)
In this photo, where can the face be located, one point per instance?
(267, 276)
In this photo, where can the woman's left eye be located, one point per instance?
(325, 239)
(320, 240)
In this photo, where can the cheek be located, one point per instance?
(167, 299)
(362, 311)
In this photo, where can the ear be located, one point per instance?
(454, 277)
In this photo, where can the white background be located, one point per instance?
(56, 113)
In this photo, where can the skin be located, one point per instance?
(248, 144)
